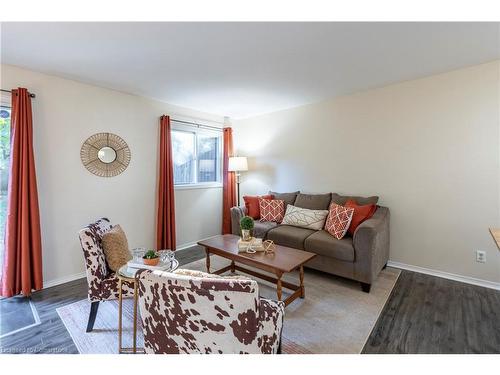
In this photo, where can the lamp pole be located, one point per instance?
(238, 174)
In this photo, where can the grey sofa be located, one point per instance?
(360, 257)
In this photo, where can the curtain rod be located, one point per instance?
(10, 91)
(197, 125)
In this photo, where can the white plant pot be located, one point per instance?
(245, 234)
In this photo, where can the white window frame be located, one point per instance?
(193, 129)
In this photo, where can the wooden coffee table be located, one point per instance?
(283, 260)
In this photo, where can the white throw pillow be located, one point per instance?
(305, 218)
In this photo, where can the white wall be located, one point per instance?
(429, 148)
(66, 113)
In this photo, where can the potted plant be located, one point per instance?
(246, 225)
(151, 258)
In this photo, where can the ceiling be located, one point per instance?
(245, 69)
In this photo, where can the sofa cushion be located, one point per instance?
(305, 218)
(342, 199)
(289, 198)
(323, 243)
(286, 235)
(313, 201)
(261, 228)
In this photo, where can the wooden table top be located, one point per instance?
(496, 236)
(285, 259)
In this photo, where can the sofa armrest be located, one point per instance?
(371, 242)
(271, 315)
(236, 214)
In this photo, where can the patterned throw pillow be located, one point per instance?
(115, 246)
(305, 218)
(338, 221)
(271, 210)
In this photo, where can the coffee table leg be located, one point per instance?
(233, 269)
(208, 260)
(302, 289)
(278, 286)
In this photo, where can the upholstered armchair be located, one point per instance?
(103, 283)
(205, 313)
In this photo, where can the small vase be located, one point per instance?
(245, 234)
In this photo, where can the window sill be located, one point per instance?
(198, 186)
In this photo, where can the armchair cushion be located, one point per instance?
(186, 314)
(109, 288)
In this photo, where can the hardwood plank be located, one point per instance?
(427, 314)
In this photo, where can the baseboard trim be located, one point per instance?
(191, 244)
(446, 275)
(186, 246)
(62, 280)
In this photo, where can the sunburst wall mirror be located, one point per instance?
(105, 154)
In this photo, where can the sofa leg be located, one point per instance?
(385, 266)
(279, 348)
(366, 287)
(93, 313)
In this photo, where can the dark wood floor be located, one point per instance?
(424, 314)
(427, 314)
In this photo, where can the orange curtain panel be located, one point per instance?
(228, 181)
(22, 266)
(165, 224)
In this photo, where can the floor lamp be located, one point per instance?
(238, 164)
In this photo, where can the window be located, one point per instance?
(4, 172)
(197, 154)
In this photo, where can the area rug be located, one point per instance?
(335, 316)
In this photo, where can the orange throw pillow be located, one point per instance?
(361, 213)
(252, 204)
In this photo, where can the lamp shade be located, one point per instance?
(237, 164)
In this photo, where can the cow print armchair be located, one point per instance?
(103, 283)
(206, 313)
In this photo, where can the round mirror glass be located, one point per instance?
(106, 155)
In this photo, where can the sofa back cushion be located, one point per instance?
(313, 201)
(305, 218)
(342, 199)
(288, 198)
